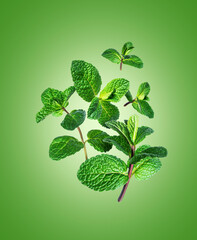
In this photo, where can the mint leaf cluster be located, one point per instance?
(104, 172)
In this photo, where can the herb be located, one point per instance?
(104, 172)
(123, 58)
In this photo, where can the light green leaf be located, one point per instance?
(86, 78)
(112, 55)
(103, 173)
(62, 147)
(144, 108)
(120, 143)
(95, 109)
(132, 126)
(133, 60)
(95, 139)
(74, 119)
(115, 90)
(143, 90)
(109, 112)
(58, 113)
(127, 47)
(120, 128)
(41, 115)
(146, 168)
(142, 133)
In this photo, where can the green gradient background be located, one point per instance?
(41, 198)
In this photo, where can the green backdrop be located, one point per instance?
(42, 198)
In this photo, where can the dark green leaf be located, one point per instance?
(95, 139)
(86, 79)
(143, 90)
(42, 114)
(129, 96)
(64, 146)
(103, 173)
(142, 133)
(112, 55)
(133, 60)
(141, 148)
(68, 93)
(144, 108)
(115, 90)
(74, 119)
(95, 109)
(128, 46)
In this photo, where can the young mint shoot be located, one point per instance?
(104, 172)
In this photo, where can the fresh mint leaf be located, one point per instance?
(142, 133)
(120, 128)
(86, 78)
(129, 96)
(132, 126)
(58, 113)
(127, 47)
(115, 90)
(120, 143)
(112, 55)
(52, 98)
(103, 173)
(68, 93)
(143, 91)
(96, 140)
(74, 119)
(42, 114)
(133, 60)
(141, 148)
(146, 168)
(109, 112)
(143, 107)
(95, 109)
(64, 146)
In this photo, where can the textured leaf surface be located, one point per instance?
(144, 108)
(127, 47)
(141, 148)
(74, 119)
(64, 146)
(120, 143)
(120, 128)
(95, 139)
(132, 126)
(86, 78)
(68, 93)
(103, 173)
(95, 109)
(109, 112)
(115, 90)
(112, 55)
(41, 115)
(146, 168)
(143, 90)
(133, 60)
(142, 133)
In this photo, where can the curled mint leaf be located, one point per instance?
(127, 47)
(96, 140)
(95, 109)
(103, 173)
(74, 119)
(86, 78)
(115, 90)
(112, 55)
(143, 91)
(64, 146)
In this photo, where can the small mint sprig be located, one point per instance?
(124, 58)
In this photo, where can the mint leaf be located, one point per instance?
(95, 139)
(141, 148)
(146, 168)
(129, 96)
(133, 60)
(112, 55)
(132, 126)
(127, 47)
(115, 90)
(142, 133)
(143, 91)
(103, 173)
(74, 119)
(52, 98)
(41, 115)
(86, 78)
(68, 93)
(58, 113)
(62, 147)
(95, 109)
(109, 112)
(120, 143)
(144, 108)
(120, 128)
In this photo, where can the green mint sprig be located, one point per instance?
(104, 172)
(124, 58)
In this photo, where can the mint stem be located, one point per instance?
(81, 136)
(129, 102)
(121, 64)
(129, 175)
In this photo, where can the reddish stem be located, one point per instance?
(121, 64)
